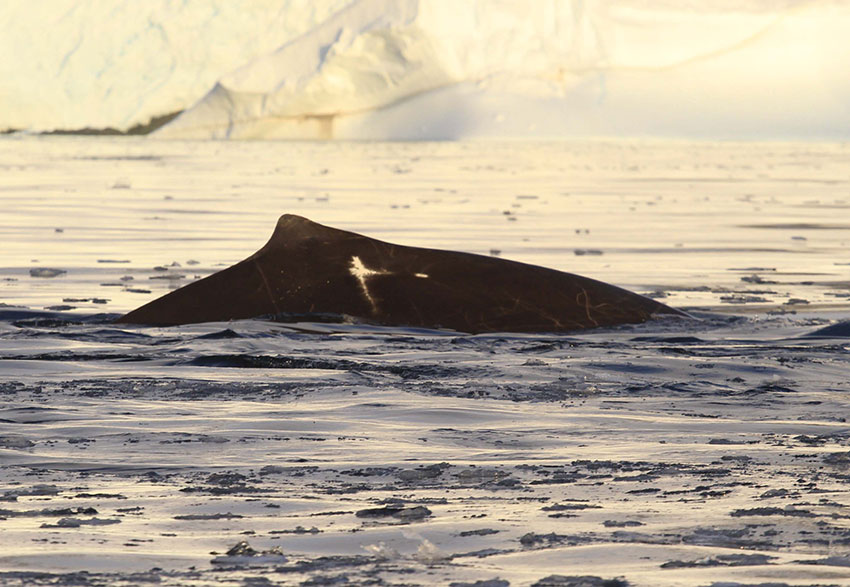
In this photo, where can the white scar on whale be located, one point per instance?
(361, 273)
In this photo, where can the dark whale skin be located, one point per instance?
(306, 268)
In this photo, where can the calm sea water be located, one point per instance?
(680, 452)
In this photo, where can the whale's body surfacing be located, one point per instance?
(307, 268)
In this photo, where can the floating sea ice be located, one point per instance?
(382, 551)
(46, 272)
(243, 554)
(218, 516)
(428, 553)
(399, 512)
(39, 489)
(832, 561)
(15, 442)
(797, 302)
(169, 277)
(76, 523)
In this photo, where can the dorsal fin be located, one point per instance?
(306, 267)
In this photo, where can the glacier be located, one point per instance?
(72, 64)
(439, 69)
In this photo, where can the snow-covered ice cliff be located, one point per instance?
(71, 64)
(438, 69)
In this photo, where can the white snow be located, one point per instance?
(430, 69)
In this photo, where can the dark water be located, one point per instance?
(397, 455)
(712, 451)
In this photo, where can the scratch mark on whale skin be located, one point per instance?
(362, 273)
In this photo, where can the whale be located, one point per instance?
(310, 270)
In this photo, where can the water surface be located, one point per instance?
(678, 452)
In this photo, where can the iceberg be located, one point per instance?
(74, 64)
(433, 69)
(442, 69)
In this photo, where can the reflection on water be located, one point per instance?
(391, 455)
(128, 219)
